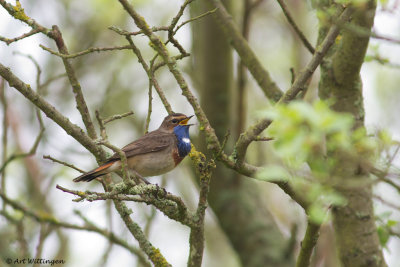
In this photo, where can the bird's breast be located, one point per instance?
(153, 164)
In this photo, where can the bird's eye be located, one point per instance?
(174, 121)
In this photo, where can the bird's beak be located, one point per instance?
(185, 121)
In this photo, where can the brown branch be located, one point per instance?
(252, 132)
(308, 244)
(239, 43)
(172, 206)
(85, 52)
(63, 163)
(70, 128)
(124, 163)
(213, 142)
(172, 26)
(18, 13)
(76, 132)
(117, 117)
(47, 218)
(387, 203)
(4, 139)
(146, 68)
(33, 149)
(194, 19)
(76, 87)
(9, 41)
(196, 238)
(296, 29)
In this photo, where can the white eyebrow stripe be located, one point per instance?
(186, 140)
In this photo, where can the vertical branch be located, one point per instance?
(153, 253)
(196, 238)
(149, 71)
(242, 74)
(76, 87)
(299, 33)
(4, 139)
(171, 63)
(232, 33)
(149, 108)
(308, 244)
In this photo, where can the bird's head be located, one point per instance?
(173, 120)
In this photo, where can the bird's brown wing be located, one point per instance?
(151, 142)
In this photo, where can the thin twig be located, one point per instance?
(9, 41)
(196, 238)
(194, 19)
(47, 218)
(100, 121)
(63, 163)
(87, 51)
(239, 43)
(124, 162)
(387, 203)
(76, 87)
(263, 139)
(172, 206)
(297, 30)
(247, 137)
(4, 139)
(148, 71)
(70, 128)
(117, 117)
(31, 152)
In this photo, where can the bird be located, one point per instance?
(153, 154)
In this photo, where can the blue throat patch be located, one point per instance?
(182, 135)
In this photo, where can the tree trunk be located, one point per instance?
(354, 223)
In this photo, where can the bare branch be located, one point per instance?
(47, 218)
(152, 80)
(87, 51)
(4, 138)
(9, 41)
(241, 46)
(172, 206)
(33, 149)
(299, 33)
(308, 244)
(70, 128)
(196, 238)
(252, 132)
(194, 19)
(117, 117)
(63, 163)
(76, 87)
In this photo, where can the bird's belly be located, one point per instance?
(152, 164)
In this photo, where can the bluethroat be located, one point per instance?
(153, 154)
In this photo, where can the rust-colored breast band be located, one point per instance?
(175, 155)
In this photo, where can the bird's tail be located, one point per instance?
(99, 171)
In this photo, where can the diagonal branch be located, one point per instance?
(308, 244)
(76, 87)
(213, 143)
(72, 129)
(252, 132)
(23, 36)
(45, 218)
(239, 43)
(296, 29)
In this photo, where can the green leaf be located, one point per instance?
(317, 213)
(383, 235)
(391, 223)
